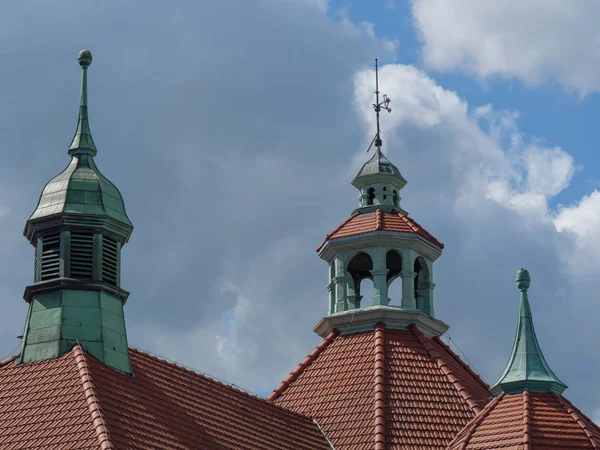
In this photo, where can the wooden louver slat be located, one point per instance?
(109, 261)
(82, 255)
(50, 257)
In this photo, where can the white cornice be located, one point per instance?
(392, 239)
(394, 317)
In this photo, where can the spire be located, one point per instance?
(379, 181)
(82, 141)
(378, 106)
(527, 369)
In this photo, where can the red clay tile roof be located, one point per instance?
(379, 220)
(529, 421)
(425, 388)
(75, 402)
(43, 406)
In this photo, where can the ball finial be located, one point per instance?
(84, 58)
(523, 279)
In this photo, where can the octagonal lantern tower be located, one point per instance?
(380, 242)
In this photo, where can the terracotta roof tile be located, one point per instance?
(423, 407)
(529, 421)
(43, 406)
(76, 402)
(379, 220)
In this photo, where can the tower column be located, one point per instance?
(380, 288)
(331, 293)
(408, 289)
(379, 272)
(341, 293)
(354, 296)
(427, 293)
(340, 283)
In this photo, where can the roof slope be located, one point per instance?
(428, 393)
(76, 402)
(43, 406)
(395, 221)
(529, 421)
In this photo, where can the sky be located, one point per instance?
(233, 130)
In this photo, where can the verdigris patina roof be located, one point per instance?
(527, 368)
(378, 164)
(81, 188)
(378, 169)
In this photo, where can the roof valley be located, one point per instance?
(91, 397)
(472, 426)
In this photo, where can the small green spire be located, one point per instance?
(82, 141)
(527, 369)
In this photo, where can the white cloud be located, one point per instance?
(484, 146)
(582, 221)
(532, 40)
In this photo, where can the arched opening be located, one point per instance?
(359, 269)
(366, 291)
(393, 263)
(395, 197)
(384, 195)
(422, 296)
(370, 196)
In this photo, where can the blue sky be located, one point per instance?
(234, 137)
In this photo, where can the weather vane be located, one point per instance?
(378, 106)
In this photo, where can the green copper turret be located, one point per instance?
(78, 229)
(527, 369)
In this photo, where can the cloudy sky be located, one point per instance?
(233, 129)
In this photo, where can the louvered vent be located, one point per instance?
(82, 255)
(109, 261)
(50, 257)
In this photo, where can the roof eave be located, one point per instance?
(409, 240)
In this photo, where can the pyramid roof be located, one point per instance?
(370, 222)
(529, 421)
(384, 389)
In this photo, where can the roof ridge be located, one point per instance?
(89, 390)
(8, 360)
(475, 422)
(378, 219)
(573, 411)
(300, 367)
(380, 431)
(418, 228)
(336, 229)
(462, 363)
(526, 426)
(443, 365)
(410, 222)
